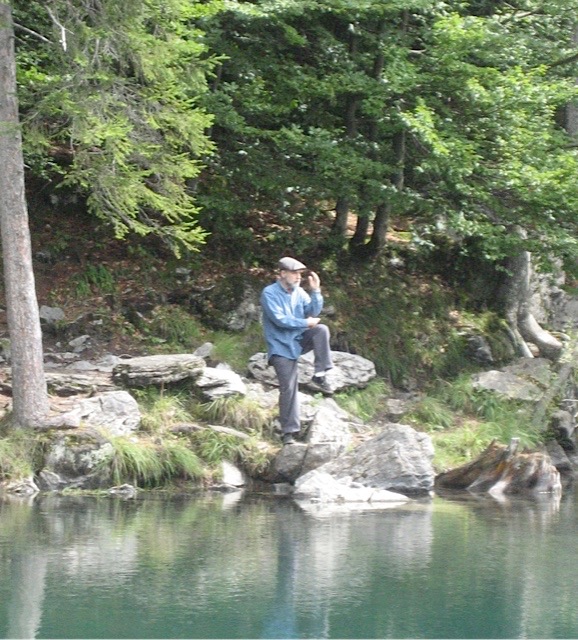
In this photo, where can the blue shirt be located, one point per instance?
(285, 318)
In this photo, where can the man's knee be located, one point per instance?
(322, 330)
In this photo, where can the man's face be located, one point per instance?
(291, 279)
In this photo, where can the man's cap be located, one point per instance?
(290, 264)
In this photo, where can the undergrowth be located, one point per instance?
(462, 421)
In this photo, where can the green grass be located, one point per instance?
(462, 422)
(18, 452)
(364, 403)
(238, 412)
(149, 464)
(161, 410)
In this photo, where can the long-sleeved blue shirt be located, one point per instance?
(285, 318)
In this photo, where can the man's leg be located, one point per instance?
(317, 338)
(287, 375)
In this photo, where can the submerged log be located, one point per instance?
(501, 470)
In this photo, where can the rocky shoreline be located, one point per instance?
(338, 459)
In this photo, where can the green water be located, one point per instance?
(255, 567)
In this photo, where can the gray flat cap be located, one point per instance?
(290, 264)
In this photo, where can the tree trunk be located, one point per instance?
(339, 227)
(30, 397)
(358, 239)
(523, 326)
(383, 211)
(571, 119)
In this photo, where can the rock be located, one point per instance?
(50, 316)
(478, 349)
(116, 412)
(126, 491)
(205, 350)
(232, 476)
(561, 461)
(508, 385)
(350, 370)
(79, 344)
(319, 486)
(220, 383)
(397, 459)
(63, 383)
(501, 470)
(157, 370)
(76, 461)
(562, 426)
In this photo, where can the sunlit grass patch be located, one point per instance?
(364, 403)
(238, 412)
(149, 464)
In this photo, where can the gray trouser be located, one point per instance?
(316, 339)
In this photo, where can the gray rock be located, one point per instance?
(220, 383)
(50, 315)
(157, 370)
(508, 385)
(79, 344)
(398, 459)
(116, 412)
(350, 371)
(76, 461)
(232, 476)
(320, 486)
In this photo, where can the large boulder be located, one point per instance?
(325, 434)
(525, 379)
(350, 371)
(76, 460)
(219, 382)
(397, 459)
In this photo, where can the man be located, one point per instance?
(291, 327)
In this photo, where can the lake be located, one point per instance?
(250, 566)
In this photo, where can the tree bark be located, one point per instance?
(339, 227)
(30, 396)
(523, 326)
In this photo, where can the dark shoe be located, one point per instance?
(288, 438)
(321, 383)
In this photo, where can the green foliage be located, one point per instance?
(161, 410)
(214, 447)
(236, 349)
(238, 412)
(462, 421)
(174, 327)
(364, 403)
(95, 278)
(18, 451)
(406, 333)
(151, 464)
(110, 102)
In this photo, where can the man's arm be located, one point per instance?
(277, 314)
(313, 308)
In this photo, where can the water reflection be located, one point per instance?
(241, 566)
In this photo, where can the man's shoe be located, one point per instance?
(288, 438)
(321, 383)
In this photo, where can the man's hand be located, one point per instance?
(313, 322)
(313, 280)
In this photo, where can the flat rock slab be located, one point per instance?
(157, 370)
